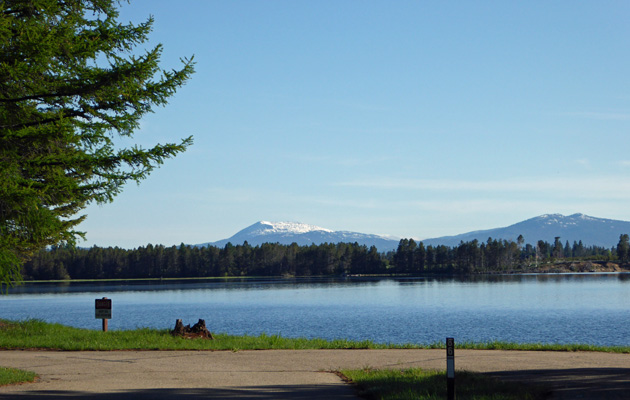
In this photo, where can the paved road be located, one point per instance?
(289, 374)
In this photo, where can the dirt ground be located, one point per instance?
(293, 374)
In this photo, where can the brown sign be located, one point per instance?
(103, 309)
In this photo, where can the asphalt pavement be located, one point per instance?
(292, 374)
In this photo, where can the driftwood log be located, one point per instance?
(198, 330)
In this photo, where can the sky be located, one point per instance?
(415, 119)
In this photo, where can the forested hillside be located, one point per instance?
(272, 259)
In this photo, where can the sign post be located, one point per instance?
(103, 310)
(450, 369)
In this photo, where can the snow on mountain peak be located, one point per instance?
(551, 216)
(562, 220)
(303, 235)
(583, 217)
(288, 228)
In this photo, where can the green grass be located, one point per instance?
(38, 334)
(31, 334)
(10, 376)
(418, 384)
(497, 345)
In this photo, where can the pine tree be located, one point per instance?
(69, 85)
(623, 248)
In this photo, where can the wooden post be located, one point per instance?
(105, 320)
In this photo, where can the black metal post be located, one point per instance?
(450, 369)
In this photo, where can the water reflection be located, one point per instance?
(304, 282)
(186, 284)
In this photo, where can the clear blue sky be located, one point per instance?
(409, 118)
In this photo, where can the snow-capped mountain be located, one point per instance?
(590, 230)
(304, 235)
(281, 228)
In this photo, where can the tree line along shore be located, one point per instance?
(328, 259)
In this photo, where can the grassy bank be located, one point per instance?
(42, 335)
(10, 376)
(418, 384)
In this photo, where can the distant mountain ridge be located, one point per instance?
(590, 230)
(304, 235)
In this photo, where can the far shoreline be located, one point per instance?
(550, 268)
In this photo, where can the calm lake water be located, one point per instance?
(564, 308)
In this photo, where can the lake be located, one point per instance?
(558, 308)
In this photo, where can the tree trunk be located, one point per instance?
(198, 330)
